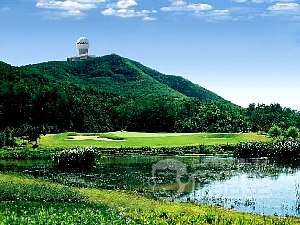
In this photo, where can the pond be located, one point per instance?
(251, 185)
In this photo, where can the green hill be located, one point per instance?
(182, 85)
(124, 77)
(101, 94)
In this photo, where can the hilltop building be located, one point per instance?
(82, 45)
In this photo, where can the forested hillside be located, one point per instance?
(114, 93)
(182, 85)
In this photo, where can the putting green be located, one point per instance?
(138, 139)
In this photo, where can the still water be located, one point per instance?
(252, 185)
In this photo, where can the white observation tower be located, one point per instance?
(82, 45)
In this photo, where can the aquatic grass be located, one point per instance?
(280, 149)
(28, 153)
(77, 158)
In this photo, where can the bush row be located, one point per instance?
(281, 149)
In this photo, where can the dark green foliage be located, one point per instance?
(21, 153)
(252, 150)
(282, 150)
(263, 117)
(99, 94)
(292, 132)
(78, 159)
(7, 138)
(113, 93)
(275, 132)
(31, 134)
(182, 85)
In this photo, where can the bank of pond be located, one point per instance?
(256, 185)
(277, 149)
(247, 177)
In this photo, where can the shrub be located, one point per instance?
(275, 132)
(281, 150)
(78, 159)
(292, 132)
(251, 150)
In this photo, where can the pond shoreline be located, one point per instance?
(192, 162)
(278, 149)
(48, 153)
(115, 205)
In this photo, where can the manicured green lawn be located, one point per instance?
(136, 139)
(111, 207)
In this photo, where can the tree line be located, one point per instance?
(59, 109)
(112, 93)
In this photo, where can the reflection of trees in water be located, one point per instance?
(222, 170)
(264, 167)
(206, 170)
(134, 172)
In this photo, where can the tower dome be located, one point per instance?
(83, 45)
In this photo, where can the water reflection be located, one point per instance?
(252, 185)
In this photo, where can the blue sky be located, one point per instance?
(247, 51)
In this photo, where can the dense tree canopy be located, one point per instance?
(113, 93)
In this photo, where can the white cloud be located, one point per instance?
(126, 13)
(220, 13)
(280, 6)
(215, 15)
(287, 10)
(68, 5)
(124, 4)
(247, 9)
(178, 3)
(124, 9)
(148, 18)
(202, 10)
(182, 6)
(199, 7)
(74, 8)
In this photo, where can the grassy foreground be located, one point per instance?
(136, 139)
(94, 206)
